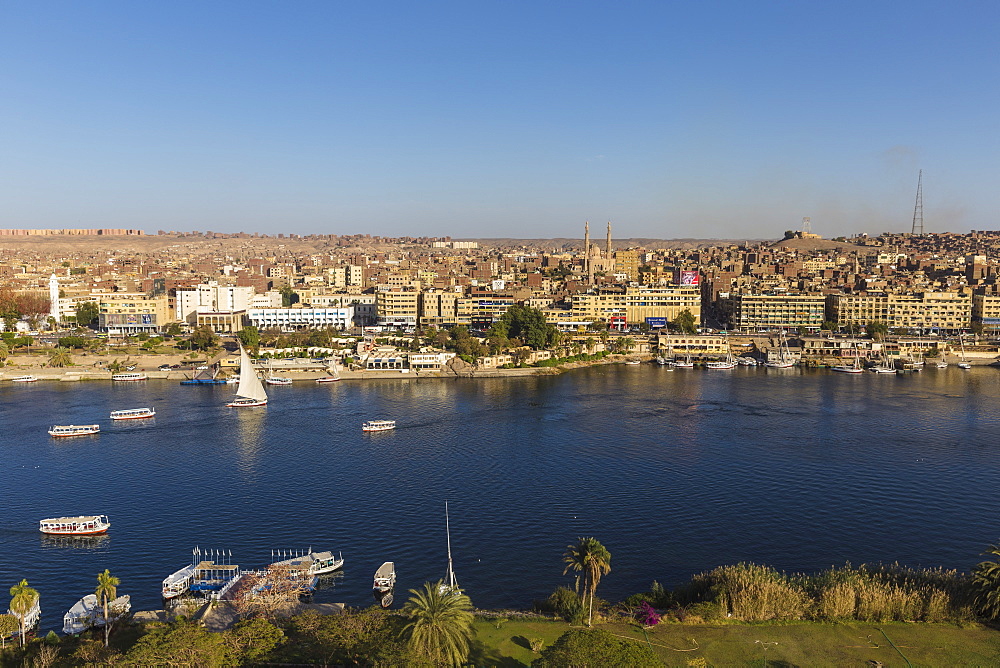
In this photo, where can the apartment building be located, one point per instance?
(762, 312)
(396, 307)
(211, 297)
(986, 312)
(301, 317)
(132, 313)
(637, 304)
(943, 311)
(438, 308)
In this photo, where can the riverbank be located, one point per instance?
(93, 368)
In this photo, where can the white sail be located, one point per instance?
(250, 386)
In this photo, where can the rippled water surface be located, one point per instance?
(674, 471)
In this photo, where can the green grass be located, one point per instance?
(793, 644)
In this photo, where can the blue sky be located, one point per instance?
(482, 119)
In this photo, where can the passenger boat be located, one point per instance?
(61, 431)
(728, 363)
(88, 613)
(277, 380)
(633, 362)
(250, 391)
(178, 582)
(133, 414)
(24, 379)
(315, 563)
(82, 525)
(130, 376)
(378, 425)
(385, 581)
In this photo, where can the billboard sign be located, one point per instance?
(687, 277)
(656, 323)
(617, 321)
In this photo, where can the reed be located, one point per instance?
(754, 593)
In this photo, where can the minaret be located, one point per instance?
(586, 250)
(610, 264)
(54, 297)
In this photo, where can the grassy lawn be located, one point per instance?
(799, 644)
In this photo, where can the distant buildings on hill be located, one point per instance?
(103, 232)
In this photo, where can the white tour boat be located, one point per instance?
(82, 525)
(133, 414)
(277, 380)
(88, 613)
(24, 379)
(60, 431)
(250, 391)
(178, 582)
(728, 363)
(130, 376)
(378, 425)
(315, 563)
(30, 619)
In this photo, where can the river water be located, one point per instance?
(675, 471)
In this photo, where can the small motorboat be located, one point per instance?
(385, 581)
(378, 425)
(24, 379)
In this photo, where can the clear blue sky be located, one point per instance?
(672, 119)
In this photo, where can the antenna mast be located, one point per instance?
(918, 207)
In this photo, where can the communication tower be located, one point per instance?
(918, 207)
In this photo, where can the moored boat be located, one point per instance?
(130, 376)
(133, 414)
(450, 583)
(82, 525)
(334, 374)
(384, 582)
(315, 563)
(24, 379)
(178, 582)
(88, 613)
(29, 619)
(277, 380)
(61, 431)
(378, 425)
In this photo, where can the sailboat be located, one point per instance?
(450, 584)
(963, 364)
(728, 363)
(271, 379)
(250, 391)
(685, 363)
(332, 370)
(785, 359)
(851, 368)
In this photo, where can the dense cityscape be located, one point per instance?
(906, 296)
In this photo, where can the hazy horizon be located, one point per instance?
(515, 120)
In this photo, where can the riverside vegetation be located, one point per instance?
(574, 627)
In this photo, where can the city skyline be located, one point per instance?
(716, 120)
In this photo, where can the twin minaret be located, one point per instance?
(588, 252)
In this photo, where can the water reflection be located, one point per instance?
(75, 542)
(249, 435)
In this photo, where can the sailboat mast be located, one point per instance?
(447, 528)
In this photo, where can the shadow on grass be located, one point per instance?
(479, 655)
(521, 641)
(771, 663)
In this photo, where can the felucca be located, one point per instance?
(250, 391)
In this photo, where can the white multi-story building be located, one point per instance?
(212, 297)
(301, 318)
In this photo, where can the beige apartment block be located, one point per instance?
(986, 312)
(637, 303)
(438, 308)
(695, 345)
(757, 312)
(396, 307)
(132, 313)
(946, 311)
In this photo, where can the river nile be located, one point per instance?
(675, 471)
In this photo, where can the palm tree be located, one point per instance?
(986, 581)
(60, 357)
(107, 591)
(594, 560)
(22, 600)
(440, 624)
